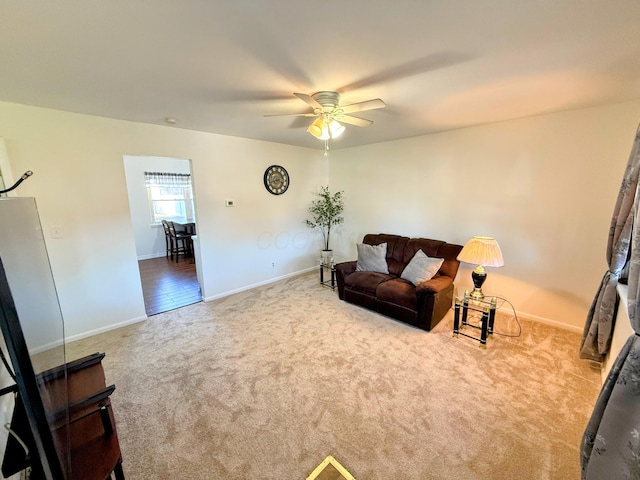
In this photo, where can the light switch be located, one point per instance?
(228, 203)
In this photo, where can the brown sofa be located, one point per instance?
(422, 305)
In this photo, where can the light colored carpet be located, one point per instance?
(265, 383)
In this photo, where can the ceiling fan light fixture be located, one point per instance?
(316, 128)
(326, 107)
(325, 131)
(336, 128)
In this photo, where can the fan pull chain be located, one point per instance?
(326, 147)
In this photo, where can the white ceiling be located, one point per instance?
(219, 66)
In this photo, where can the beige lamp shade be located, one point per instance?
(483, 251)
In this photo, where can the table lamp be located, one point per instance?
(483, 252)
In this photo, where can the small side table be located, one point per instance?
(484, 309)
(326, 264)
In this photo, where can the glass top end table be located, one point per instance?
(467, 308)
(329, 264)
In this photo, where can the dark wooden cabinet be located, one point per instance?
(82, 424)
(84, 429)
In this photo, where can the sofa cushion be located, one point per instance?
(372, 258)
(421, 268)
(449, 252)
(436, 248)
(398, 291)
(395, 249)
(365, 282)
(428, 246)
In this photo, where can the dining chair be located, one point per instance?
(168, 241)
(180, 242)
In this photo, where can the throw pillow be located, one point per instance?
(421, 268)
(372, 258)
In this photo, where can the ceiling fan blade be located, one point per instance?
(299, 122)
(309, 100)
(290, 115)
(425, 64)
(358, 122)
(361, 106)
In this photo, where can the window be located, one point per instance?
(170, 196)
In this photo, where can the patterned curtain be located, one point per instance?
(611, 442)
(160, 179)
(598, 329)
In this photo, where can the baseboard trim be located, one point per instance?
(108, 328)
(82, 335)
(151, 255)
(548, 321)
(259, 284)
(90, 333)
(528, 316)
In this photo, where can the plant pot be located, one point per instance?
(327, 257)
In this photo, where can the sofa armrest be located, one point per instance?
(435, 285)
(342, 270)
(434, 298)
(345, 268)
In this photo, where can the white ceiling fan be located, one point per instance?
(326, 106)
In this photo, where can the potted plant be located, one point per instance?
(326, 211)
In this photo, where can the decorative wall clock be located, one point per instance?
(276, 179)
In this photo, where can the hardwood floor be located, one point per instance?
(167, 285)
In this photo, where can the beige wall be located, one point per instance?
(79, 185)
(543, 186)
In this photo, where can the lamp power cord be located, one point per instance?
(515, 317)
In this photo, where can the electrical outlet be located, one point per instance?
(228, 203)
(56, 231)
(273, 264)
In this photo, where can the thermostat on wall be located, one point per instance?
(228, 203)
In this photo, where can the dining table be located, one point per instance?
(188, 227)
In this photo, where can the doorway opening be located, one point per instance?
(168, 285)
(159, 188)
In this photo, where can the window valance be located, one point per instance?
(165, 179)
